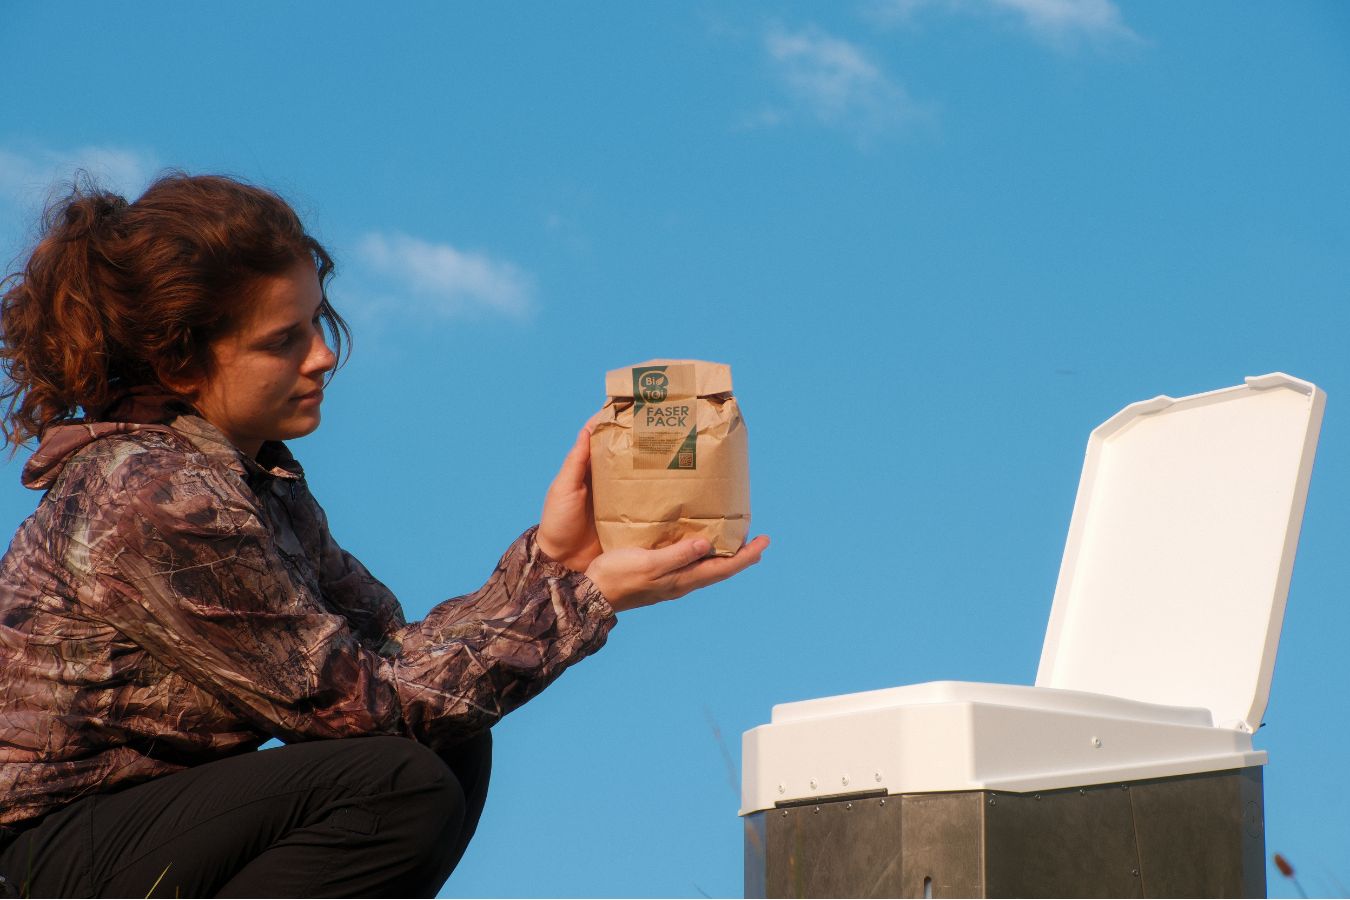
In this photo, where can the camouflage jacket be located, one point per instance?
(172, 601)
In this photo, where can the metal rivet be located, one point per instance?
(992, 802)
(1082, 791)
(782, 789)
(883, 801)
(876, 775)
(813, 784)
(816, 810)
(844, 781)
(1038, 796)
(1096, 742)
(1134, 872)
(785, 813)
(848, 806)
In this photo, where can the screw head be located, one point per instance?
(782, 789)
(813, 784)
(877, 776)
(1097, 742)
(848, 806)
(844, 781)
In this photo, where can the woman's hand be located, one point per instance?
(631, 577)
(567, 526)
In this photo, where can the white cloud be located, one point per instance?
(834, 81)
(29, 176)
(443, 279)
(1060, 22)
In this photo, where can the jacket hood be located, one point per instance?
(139, 409)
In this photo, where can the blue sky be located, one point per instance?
(937, 240)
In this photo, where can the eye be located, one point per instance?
(281, 343)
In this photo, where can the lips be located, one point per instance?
(312, 395)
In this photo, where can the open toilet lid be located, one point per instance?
(1181, 546)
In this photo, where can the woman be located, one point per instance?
(176, 598)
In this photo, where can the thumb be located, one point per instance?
(573, 471)
(679, 555)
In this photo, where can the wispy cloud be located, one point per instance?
(832, 81)
(28, 175)
(444, 280)
(1057, 22)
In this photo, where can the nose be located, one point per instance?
(321, 357)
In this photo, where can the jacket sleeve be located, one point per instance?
(182, 564)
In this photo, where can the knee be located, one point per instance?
(430, 795)
(401, 781)
(408, 765)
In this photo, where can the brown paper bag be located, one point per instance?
(669, 458)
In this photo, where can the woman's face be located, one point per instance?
(268, 380)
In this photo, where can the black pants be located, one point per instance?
(361, 817)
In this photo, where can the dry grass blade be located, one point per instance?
(158, 880)
(750, 833)
(726, 753)
(1287, 870)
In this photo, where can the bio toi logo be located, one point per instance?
(653, 387)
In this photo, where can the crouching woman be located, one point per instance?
(176, 598)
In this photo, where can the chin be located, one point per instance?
(298, 428)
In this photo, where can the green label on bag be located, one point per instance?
(665, 433)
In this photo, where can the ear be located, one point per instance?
(186, 382)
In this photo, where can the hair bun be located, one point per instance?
(108, 205)
(91, 211)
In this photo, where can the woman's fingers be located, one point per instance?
(577, 462)
(704, 572)
(630, 577)
(668, 560)
(576, 465)
(566, 525)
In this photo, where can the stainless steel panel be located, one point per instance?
(1202, 835)
(754, 854)
(1192, 836)
(943, 840)
(1071, 843)
(845, 848)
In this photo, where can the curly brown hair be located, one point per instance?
(118, 295)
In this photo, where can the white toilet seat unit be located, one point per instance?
(1161, 643)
